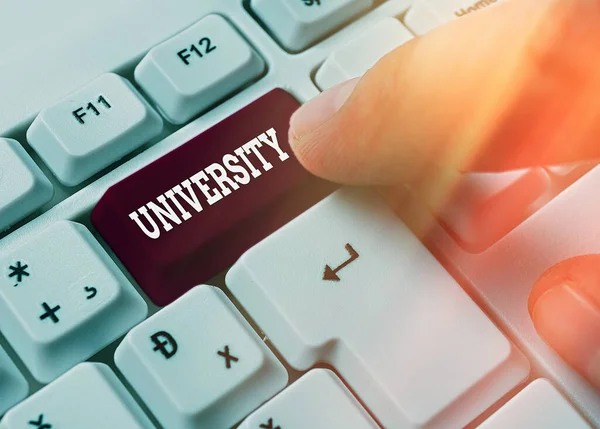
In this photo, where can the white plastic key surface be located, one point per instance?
(195, 69)
(92, 128)
(318, 399)
(62, 299)
(198, 364)
(90, 396)
(357, 56)
(539, 405)
(23, 186)
(13, 386)
(425, 15)
(484, 207)
(349, 284)
(297, 24)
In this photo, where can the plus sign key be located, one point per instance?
(57, 288)
(198, 364)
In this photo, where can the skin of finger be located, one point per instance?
(444, 98)
(554, 117)
(570, 324)
(582, 273)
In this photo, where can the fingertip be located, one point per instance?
(564, 310)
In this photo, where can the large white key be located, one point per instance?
(23, 186)
(297, 24)
(62, 299)
(92, 128)
(89, 396)
(198, 364)
(539, 405)
(349, 284)
(425, 15)
(317, 400)
(356, 57)
(195, 69)
(13, 386)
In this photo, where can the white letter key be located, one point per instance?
(198, 364)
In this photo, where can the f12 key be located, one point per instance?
(190, 214)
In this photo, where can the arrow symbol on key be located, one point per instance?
(269, 425)
(330, 274)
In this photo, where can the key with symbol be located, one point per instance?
(318, 399)
(297, 24)
(398, 328)
(23, 186)
(13, 386)
(55, 289)
(198, 364)
(90, 396)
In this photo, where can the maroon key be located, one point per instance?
(190, 214)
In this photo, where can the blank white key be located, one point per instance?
(92, 128)
(357, 56)
(13, 386)
(90, 396)
(23, 186)
(62, 299)
(198, 364)
(349, 284)
(318, 399)
(539, 405)
(425, 15)
(297, 24)
(195, 69)
(484, 207)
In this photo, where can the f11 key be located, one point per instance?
(192, 213)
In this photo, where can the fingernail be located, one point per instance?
(569, 321)
(321, 108)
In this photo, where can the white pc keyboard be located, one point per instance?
(163, 263)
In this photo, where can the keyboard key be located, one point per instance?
(317, 400)
(347, 283)
(539, 405)
(92, 128)
(198, 364)
(297, 24)
(356, 57)
(23, 186)
(190, 72)
(189, 215)
(425, 15)
(486, 206)
(89, 396)
(13, 386)
(62, 299)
